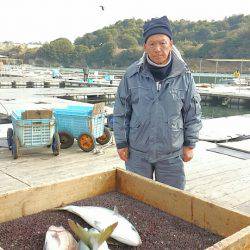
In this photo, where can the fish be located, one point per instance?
(92, 238)
(58, 238)
(100, 218)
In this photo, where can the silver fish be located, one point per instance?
(58, 238)
(100, 218)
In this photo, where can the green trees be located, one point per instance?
(127, 41)
(128, 56)
(59, 51)
(122, 43)
(80, 55)
(102, 56)
(117, 45)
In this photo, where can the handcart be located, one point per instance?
(31, 129)
(84, 123)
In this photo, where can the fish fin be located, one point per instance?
(116, 212)
(104, 234)
(79, 231)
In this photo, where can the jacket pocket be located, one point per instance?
(175, 134)
(178, 94)
(177, 99)
(134, 95)
(141, 94)
(138, 136)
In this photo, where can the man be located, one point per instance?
(157, 113)
(85, 73)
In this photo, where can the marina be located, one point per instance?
(227, 96)
(102, 83)
(91, 92)
(44, 98)
(219, 176)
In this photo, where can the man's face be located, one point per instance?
(158, 48)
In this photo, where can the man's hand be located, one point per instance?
(123, 154)
(187, 154)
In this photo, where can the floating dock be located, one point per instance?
(11, 99)
(226, 95)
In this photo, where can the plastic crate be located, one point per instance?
(78, 119)
(85, 110)
(33, 132)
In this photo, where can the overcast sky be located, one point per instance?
(46, 20)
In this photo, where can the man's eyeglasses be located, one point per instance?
(162, 45)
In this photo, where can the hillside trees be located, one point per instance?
(122, 43)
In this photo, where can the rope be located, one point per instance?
(5, 109)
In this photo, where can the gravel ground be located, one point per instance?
(157, 229)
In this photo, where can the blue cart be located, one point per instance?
(32, 132)
(81, 123)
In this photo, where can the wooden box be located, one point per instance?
(98, 108)
(217, 219)
(37, 114)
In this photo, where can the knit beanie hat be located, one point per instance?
(157, 26)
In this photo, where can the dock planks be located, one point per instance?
(219, 178)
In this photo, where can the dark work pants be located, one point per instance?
(169, 171)
(85, 77)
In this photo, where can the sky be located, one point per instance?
(45, 20)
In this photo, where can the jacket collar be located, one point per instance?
(179, 66)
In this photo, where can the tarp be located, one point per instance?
(55, 73)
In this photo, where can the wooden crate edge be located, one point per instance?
(231, 223)
(238, 240)
(36, 199)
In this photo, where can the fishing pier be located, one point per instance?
(7, 96)
(234, 95)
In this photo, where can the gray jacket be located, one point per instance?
(157, 124)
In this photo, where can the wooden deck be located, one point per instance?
(54, 92)
(219, 178)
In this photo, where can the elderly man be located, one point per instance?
(157, 113)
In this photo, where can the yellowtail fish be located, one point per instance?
(100, 218)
